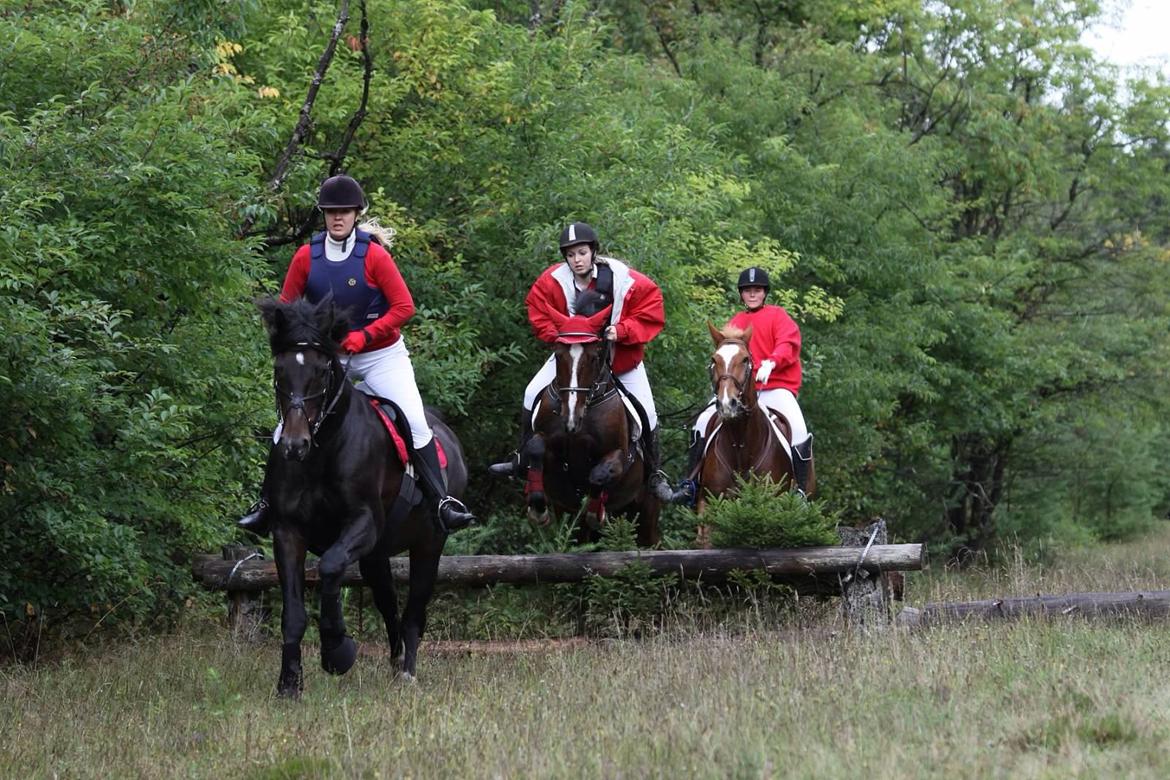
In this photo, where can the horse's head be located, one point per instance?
(731, 371)
(582, 359)
(306, 373)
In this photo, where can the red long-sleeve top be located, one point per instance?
(381, 272)
(641, 315)
(775, 337)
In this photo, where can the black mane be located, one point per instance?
(300, 322)
(589, 302)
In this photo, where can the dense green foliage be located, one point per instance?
(963, 209)
(763, 513)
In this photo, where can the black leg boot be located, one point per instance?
(452, 514)
(802, 458)
(657, 481)
(256, 519)
(513, 466)
(688, 486)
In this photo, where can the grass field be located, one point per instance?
(784, 693)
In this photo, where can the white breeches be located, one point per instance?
(778, 398)
(388, 372)
(635, 381)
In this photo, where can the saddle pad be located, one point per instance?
(635, 421)
(399, 444)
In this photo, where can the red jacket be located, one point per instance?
(381, 272)
(638, 314)
(775, 337)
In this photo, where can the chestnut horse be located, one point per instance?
(337, 487)
(744, 438)
(584, 448)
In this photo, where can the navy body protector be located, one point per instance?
(345, 280)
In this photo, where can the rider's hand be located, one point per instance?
(611, 332)
(765, 371)
(355, 341)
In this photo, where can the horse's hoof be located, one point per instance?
(538, 516)
(408, 678)
(340, 659)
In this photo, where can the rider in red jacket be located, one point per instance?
(775, 349)
(637, 317)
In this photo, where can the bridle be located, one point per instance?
(740, 383)
(596, 392)
(297, 401)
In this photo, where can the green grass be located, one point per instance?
(768, 693)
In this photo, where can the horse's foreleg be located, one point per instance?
(609, 469)
(289, 550)
(424, 569)
(376, 573)
(338, 650)
(533, 457)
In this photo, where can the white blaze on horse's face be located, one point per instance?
(729, 405)
(575, 353)
(300, 358)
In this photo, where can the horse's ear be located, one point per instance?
(331, 320)
(747, 335)
(271, 314)
(715, 334)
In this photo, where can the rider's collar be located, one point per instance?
(592, 275)
(339, 250)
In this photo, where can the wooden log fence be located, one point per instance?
(708, 565)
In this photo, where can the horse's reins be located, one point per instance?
(298, 402)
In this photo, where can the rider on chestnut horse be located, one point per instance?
(775, 351)
(637, 317)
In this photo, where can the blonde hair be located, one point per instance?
(383, 234)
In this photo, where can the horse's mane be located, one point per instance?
(733, 333)
(589, 302)
(300, 322)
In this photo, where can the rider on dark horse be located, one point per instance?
(352, 265)
(775, 350)
(637, 317)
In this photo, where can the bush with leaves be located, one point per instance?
(762, 513)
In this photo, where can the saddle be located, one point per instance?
(410, 494)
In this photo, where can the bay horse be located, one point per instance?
(337, 487)
(745, 437)
(584, 448)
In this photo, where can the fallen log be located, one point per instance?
(1145, 604)
(708, 565)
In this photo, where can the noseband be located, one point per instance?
(297, 401)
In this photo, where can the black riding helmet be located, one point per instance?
(341, 192)
(579, 233)
(755, 277)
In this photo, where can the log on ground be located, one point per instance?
(1144, 604)
(792, 565)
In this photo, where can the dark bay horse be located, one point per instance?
(334, 481)
(584, 448)
(744, 438)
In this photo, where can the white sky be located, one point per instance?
(1135, 33)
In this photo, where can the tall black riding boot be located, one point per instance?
(657, 481)
(256, 519)
(801, 463)
(688, 486)
(452, 514)
(514, 466)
